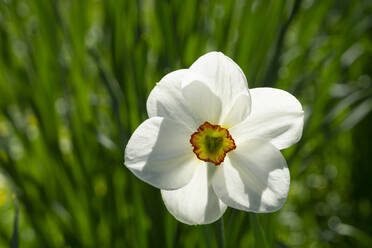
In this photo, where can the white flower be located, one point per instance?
(210, 142)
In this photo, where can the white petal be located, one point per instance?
(196, 203)
(276, 116)
(238, 112)
(166, 99)
(254, 177)
(224, 77)
(201, 101)
(159, 153)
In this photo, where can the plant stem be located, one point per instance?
(220, 233)
(258, 231)
(14, 242)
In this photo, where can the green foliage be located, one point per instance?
(74, 78)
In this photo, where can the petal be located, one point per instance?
(166, 99)
(202, 102)
(196, 203)
(254, 177)
(238, 112)
(159, 153)
(276, 116)
(223, 75)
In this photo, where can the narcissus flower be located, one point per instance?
(210, 142)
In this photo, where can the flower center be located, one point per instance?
(211, 143)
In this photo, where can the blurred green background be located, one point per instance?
(74, 78)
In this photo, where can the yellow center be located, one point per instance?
(211, 143)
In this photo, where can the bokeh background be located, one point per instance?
(74, 78)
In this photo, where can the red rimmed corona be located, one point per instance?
(211, 143)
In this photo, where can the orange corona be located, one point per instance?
(211, 143)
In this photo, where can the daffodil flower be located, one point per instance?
(210, 142)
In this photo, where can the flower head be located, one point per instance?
(210, 142)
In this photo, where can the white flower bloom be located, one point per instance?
(210, 142)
